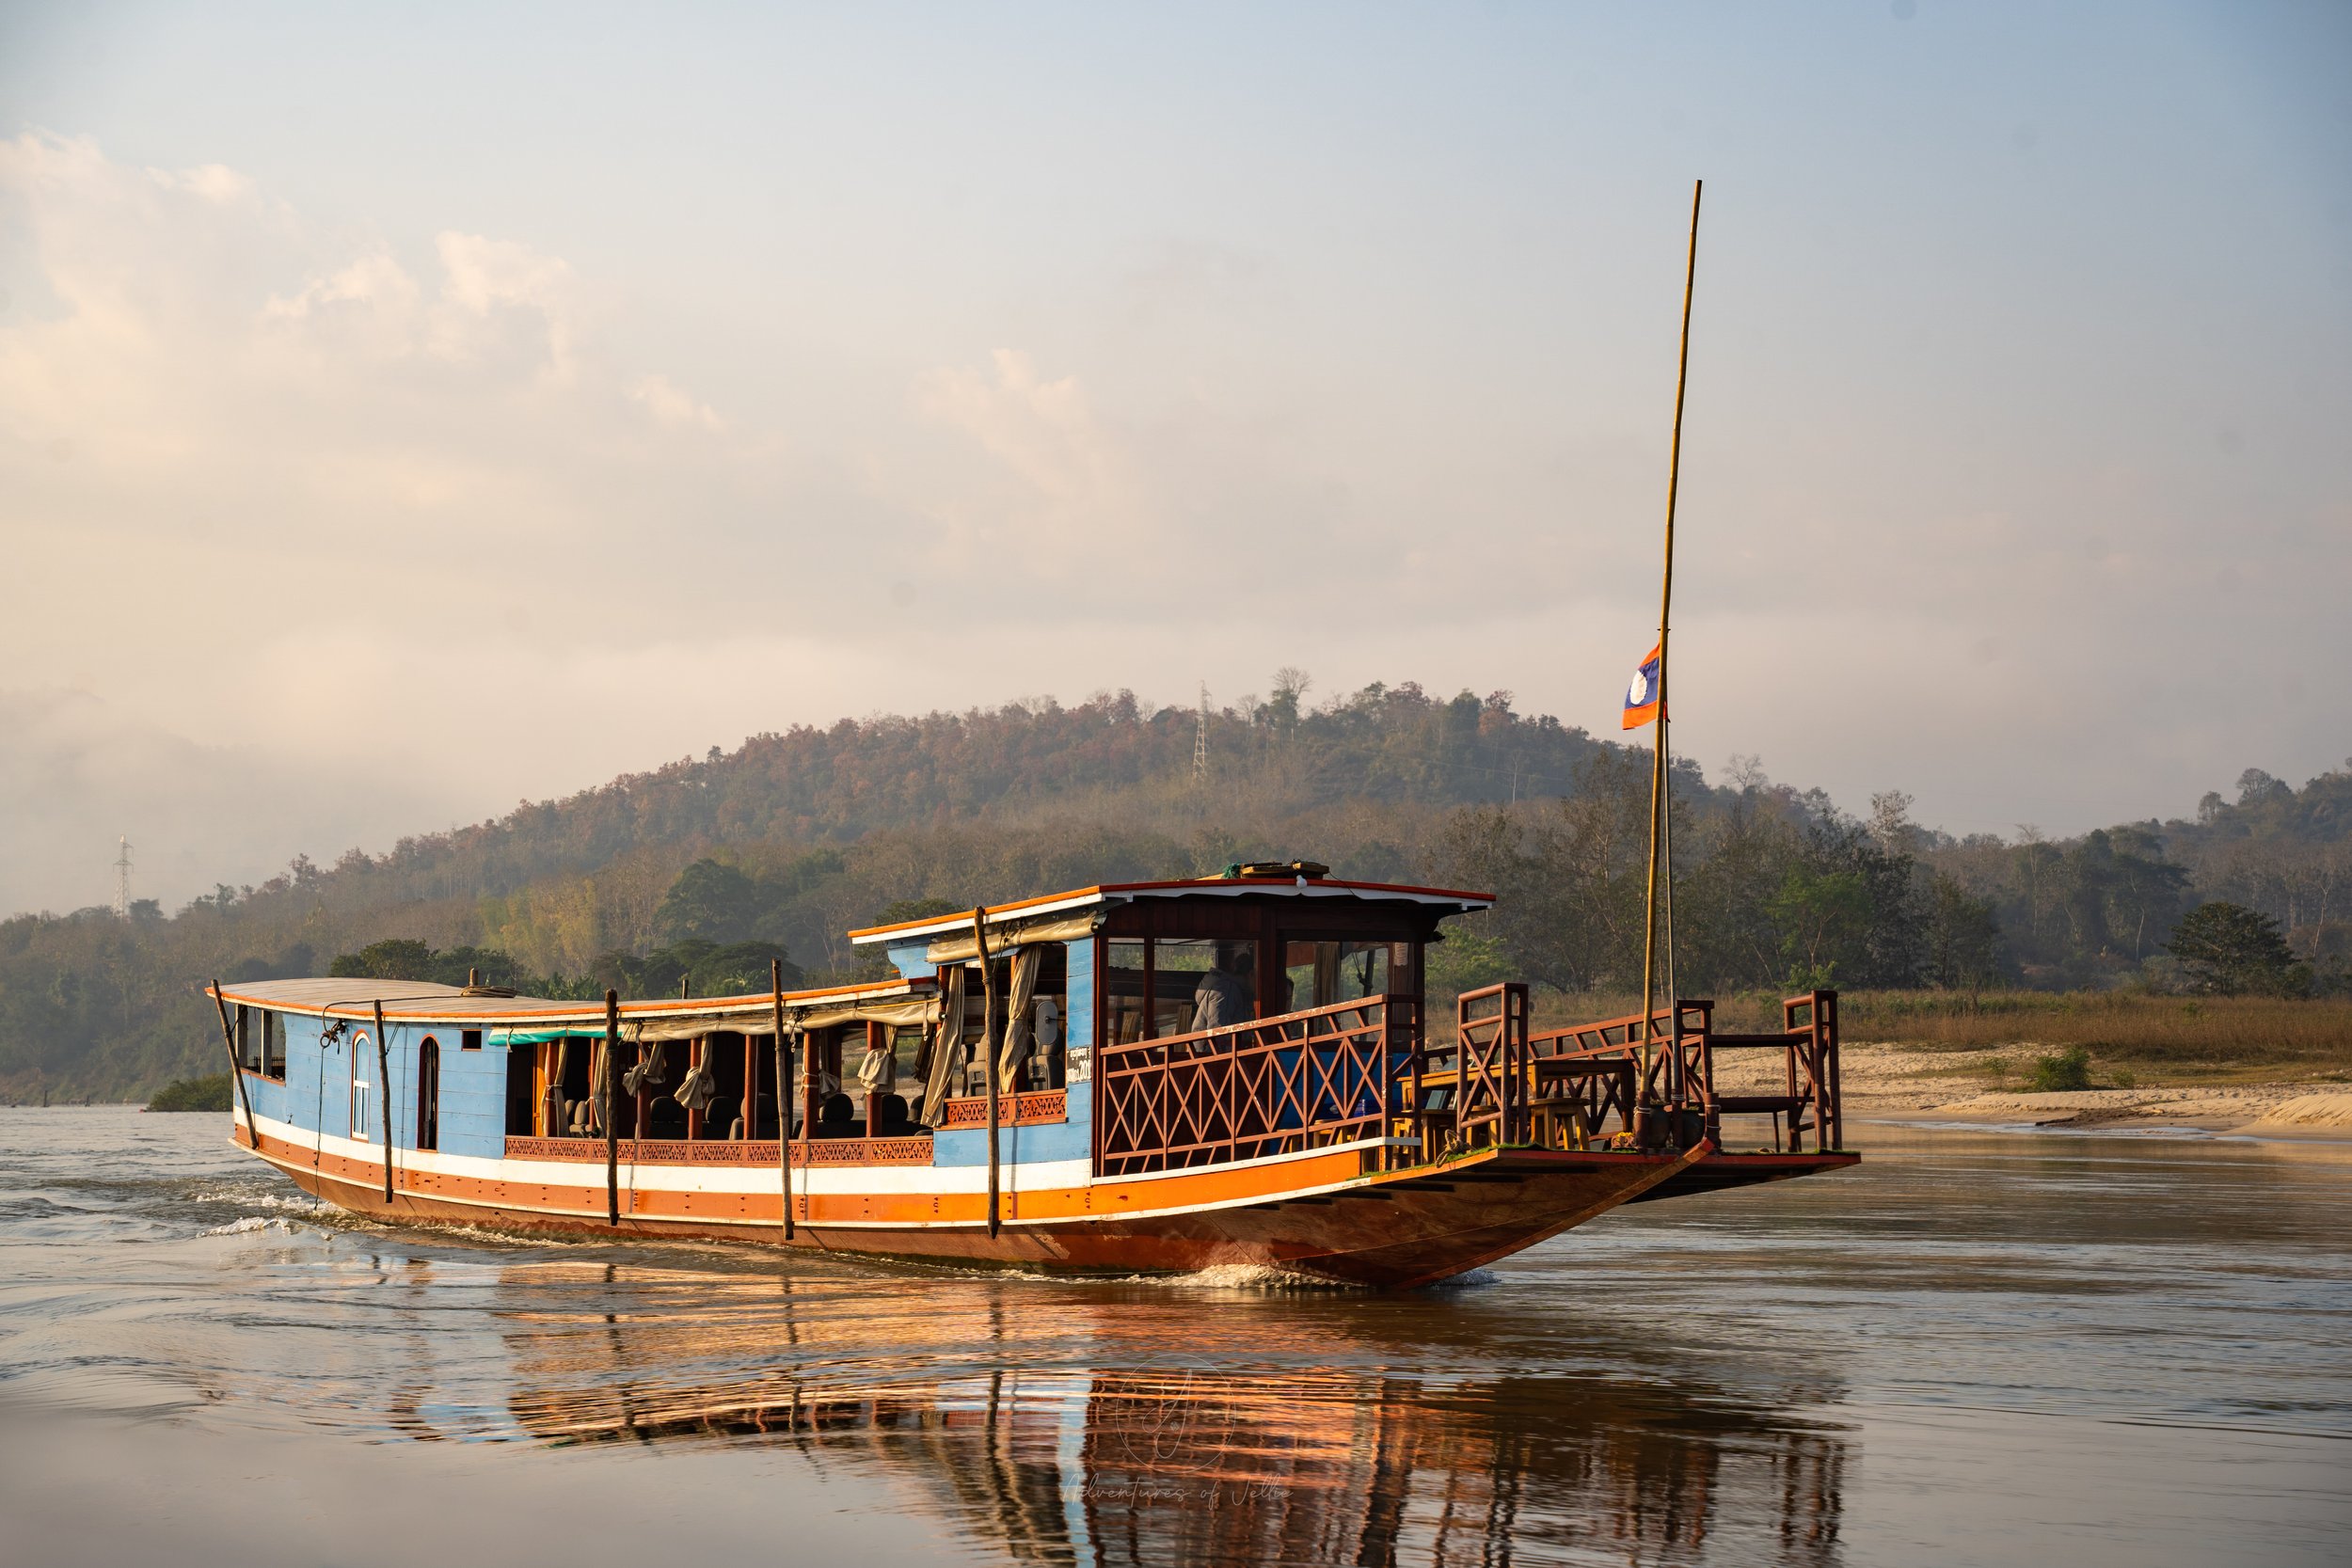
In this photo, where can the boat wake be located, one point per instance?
(252, 1223)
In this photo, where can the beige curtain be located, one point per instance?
(700, 1086)
(878, 1071)
(556, 1116)
(1019, 1031)
(947, 1051)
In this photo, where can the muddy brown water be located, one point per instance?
(1980, 1347)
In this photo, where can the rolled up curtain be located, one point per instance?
(1020, 1036)
(599, 1073)
(650, 1072)
(878, 1071)
(700, 1086)
(947, 1046)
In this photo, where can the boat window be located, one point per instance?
(1047, 1065)
(429, 1094)
(563, 1108)
(1122, 989)
(1318, 973)
(1202, 985)
(521, 1097)
(469, 1040)
(260, 1038)
(362, 1064)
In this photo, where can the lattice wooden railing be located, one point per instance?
(1491, 1029)
(678, 1151)
(1012, 1110)
(1810, 1086)
(1304, 1080)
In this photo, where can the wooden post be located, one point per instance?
(237, 1071)
(784, 1099)
(988, 1049)
(611, 1124)
(384, 1095)
(1658, 783)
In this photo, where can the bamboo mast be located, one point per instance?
(1658, 787)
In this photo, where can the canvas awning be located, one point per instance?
(961, 947)
(741, 1020)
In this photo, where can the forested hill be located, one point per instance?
(701, 871)
(835, 785)
(822, 829)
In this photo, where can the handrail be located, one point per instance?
(1577, 1077)
(1308, 1079)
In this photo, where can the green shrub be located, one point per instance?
(2068, 1070)
(193, 1093)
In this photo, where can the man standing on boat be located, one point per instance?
(1225, 994)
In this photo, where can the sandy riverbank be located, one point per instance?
(1889, 1082)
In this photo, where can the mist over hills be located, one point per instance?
(818, 829)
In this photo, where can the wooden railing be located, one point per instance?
(1810, 1085)
(1573, 1087)
(1305, 1080)
(1492, 1030)
(718, 1151)
(1025, 1109)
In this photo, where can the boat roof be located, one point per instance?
(1454, 900)
(425, 1000)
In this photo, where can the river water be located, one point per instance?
(1977, 1348)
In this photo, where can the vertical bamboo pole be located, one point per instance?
(611, 1122)
(236, 1070)
(783, 1097)
(987, 1051)
(384, 1095)
(1665, 605)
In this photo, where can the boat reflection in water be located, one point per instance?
(1053, 1460)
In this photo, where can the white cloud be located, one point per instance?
(669, 404)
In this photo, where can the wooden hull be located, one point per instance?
(1392, 1229)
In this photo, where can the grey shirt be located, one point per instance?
(1218, 1000)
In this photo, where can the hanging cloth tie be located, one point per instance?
(650, 1072)
(700, 1085)
(878, 1071)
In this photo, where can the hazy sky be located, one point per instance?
(407, 410)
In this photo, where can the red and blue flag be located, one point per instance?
(1641, 696)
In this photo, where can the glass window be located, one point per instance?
(274, 1045)
(1122, 991)
(361, 1062)
(1319, 973)
(1202, 985)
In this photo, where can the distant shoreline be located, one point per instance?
(1895, 1083)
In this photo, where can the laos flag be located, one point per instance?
(1640, 697)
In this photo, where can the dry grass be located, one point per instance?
(2210, 1036)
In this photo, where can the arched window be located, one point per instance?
(362, 1066)
(429, 1094)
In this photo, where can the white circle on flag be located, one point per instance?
(1638, 693)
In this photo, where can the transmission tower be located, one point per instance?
(1200, 741)
(122, 881)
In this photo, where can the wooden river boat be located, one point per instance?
(1185, 1076)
